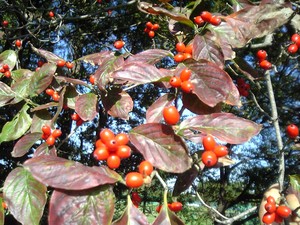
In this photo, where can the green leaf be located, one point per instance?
(6, 94)
(8, 57)
(86, 106)
(295, 182)
(25, 196)
(1, 212)
(14, 129)
(42, 78)
(87, 207)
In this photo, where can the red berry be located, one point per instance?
(296, 39)
(122, 139)
(92, 79)
(293, 48)
(123, 151)
(51, 14)
(106, 135)
(215, 20)
(134, 180)
(283, 211)
(151, 34)
(209, 158)
(99, 143)
(175, 82)
(187, 86)
(149, 25)
(69, 65)
(46, 129)
(111, 145)
(199, 21)
(278, 219)
(119, 44)
(5, 23)
(271, 199)
(56, 133)
(136, 197)
(101, 153)
(268, 218)
(189, 49)
(7, 74)
(60, 63)
(40, 63)
(158, 208)
(270, 207)
(171, 115)
(55, 96)
(221, 150)
(265, 64)
(155, 26)
(18, 43)
(145, 168)
(261, 55)
(292, 131)
(50, 140)
(5, 67)
(208, 143)
(180, 47)
(179, 57)
(176, 206)
(206, 16)
(113, 161)
(185, 74)
(75, 117)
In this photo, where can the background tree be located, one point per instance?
(73, 31)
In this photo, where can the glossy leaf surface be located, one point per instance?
(70, 175)
(8, 57)
(25, 143)
(150, 56)
(161, 146)
(86, 106)
(25, 196)
(6, 94)
(88, 207)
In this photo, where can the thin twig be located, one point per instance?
(237, 217)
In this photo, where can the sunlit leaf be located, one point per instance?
(104, 72)
(118, 103)
(212, 84)
(8, 57)
(225, 126)
(70, 175)
(150, 56)
(42, 78)
(44, 149)
(15, 128)
(161, 146)
(70, 97)
(204, 47)
(25, 196)
(97, 58)
(167, 217)
(154, 112)
(25, 143)
(62, 79)
(22, 88)
(138, 73)
(131, 216)
(49, 56)
(295, 182)
(86, 106)
(6, 94)
(185, 180)
(88, 207)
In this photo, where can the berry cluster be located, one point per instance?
(183, 52)
(136, 179)
(207, 17)
(293, 48)
(136, 198)
(262, 58)
(49, 135)
(62, 63)
(292, 131)
(151, 28)
(243, 87)
(75, 117)
(52, 93)
(119, 44)
(174, 206)
(5, 70)
(112, 148)
(183, 81)
(275, 213)
(212, 151)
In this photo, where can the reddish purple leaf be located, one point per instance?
(44, 149)
(131, 216)
(70, 175)
(86, 106)
(154, 112)
(138, 73)
(89, 207)
(118, 103)
(212, 84)
(42, 78)
(71, 81)
(205, 47)
(195, 105)
(104, 72)
(6, 94)
(150, 56)
(49, 56)
(225, 126)
(97, 58)
(25, 196)
(161, 146)
(243, 66)
(25, 143)
(44, 106)
(167, 217)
